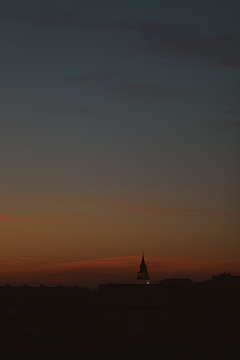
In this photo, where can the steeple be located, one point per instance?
(143, 277)
(143, 267)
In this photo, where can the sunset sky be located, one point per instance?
(119, 132)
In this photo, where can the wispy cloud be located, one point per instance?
(188, 42)
(98, 262)
(231, 112)
(36, 259)
(147, 92)
(228, 118)
(13, 197)
(48, 197)
(46, 18)
(99, 77)
(130, 86)
(20, 219)
(24, 263)
(164, 211)
(34, 263)
(222, 125)
(174, 42)
(190, 266)
(62, 111)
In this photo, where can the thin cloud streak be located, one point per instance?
(99, 77)
(46, 18)
(146, 92)
(176, 43)
(188, 43)
(182, 212)
(48, 197)
(35, 259)
(139, 92)
(223, 125)
(114, 262)
(227, 119)
(16, 219)
(62, 111)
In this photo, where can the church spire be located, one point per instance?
(143, 266)
(143, 277)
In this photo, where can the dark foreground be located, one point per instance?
(118, 347)
(120, 321)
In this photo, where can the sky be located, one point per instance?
(119, 132)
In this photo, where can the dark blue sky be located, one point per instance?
(134, 101)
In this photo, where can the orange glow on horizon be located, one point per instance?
(103, 270)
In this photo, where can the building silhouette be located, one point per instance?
(222, 281)
(143, 277)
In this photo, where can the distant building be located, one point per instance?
(221, 281)
(143, 277)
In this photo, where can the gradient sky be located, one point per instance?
(119, 132)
